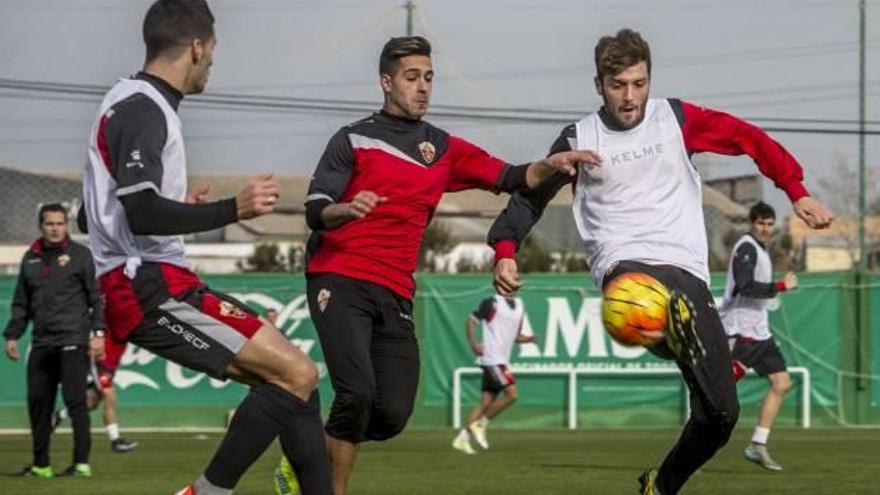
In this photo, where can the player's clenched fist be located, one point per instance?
(363, 203)
(258, 197)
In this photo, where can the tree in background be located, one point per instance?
(532, 257)
(437, 241)
(267, 257)
(296, 258)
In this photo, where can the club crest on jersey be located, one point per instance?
(428, 151)
(229, 310)
(323, 299)
(63, 260)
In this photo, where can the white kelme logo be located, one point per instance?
(187, 335)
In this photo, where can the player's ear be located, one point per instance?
(196, 50)
(385, 81)
(598, 82)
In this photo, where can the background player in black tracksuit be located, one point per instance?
(56, 292)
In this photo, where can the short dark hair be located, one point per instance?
(172, 24)
(615, 53)
(761, 210)
(400, 47)
(51, 207)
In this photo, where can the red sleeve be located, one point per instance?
(473, 167)
(709, 130)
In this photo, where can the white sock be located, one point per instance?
(483, 421)
(205, 487)
(463, 434)
(760, 436)
(113, 431)
(62, 414)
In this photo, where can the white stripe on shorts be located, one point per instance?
(227, 336)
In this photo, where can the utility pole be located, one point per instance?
(410, 6)
(863, 308)
(863, 253)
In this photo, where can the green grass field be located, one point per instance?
(820, 461)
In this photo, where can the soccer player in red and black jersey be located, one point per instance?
(371, 198)
(641, 211)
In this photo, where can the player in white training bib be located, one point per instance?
(640, 212)
(749, 289)
(501, 318)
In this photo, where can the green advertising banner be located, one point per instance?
(147, 385)
(811, 325)
(563, 312)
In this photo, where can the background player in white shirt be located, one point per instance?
(501, 318)
(744, 314)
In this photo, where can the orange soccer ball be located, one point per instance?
(635, 308)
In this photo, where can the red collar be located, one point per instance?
(39, 246)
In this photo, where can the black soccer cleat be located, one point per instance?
(681, 335)
(121, 446)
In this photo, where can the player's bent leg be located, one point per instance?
(395, 357)
(780, 384)
(287, 397)
(209, 332)
(714, 403)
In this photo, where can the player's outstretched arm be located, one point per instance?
(709, 130)
(565, 163)
(148, 213)
(523, 211)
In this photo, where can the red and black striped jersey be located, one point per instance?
(410, 162)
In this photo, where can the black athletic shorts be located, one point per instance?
(203, 331)
(496, 378)
(368, 338)
(763, 356)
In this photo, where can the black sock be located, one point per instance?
(302, 440)
(253, 428)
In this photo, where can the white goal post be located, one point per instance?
(571, 374)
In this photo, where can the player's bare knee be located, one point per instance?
(512, 394)
(782, 385)
(301, 379)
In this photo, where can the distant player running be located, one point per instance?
(501, 318)
(372, 195)
(137, 206)
(640, 212)
(101, 390)
(749, 288)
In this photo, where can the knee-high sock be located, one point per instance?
(302, 440)
(253, 428)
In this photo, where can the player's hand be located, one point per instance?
(565, 162)
(532, 339)
(198, 196)
(507, 277)
(814, 212)
(478, 349)
(790, 280)
(12, 349)
(258, 197)
(363, 203)
(96, 348)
